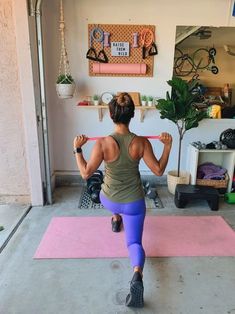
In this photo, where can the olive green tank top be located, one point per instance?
(122, 183)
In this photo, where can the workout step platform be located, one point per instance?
(187, 192)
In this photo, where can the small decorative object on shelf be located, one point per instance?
(96, 100)
(83, 103)
(65, 85)
(150, 100)
(143, 100)
(106, 97)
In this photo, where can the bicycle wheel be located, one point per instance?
(201, 58)
(178, 54)
(183, 66)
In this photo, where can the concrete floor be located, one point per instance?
(99, 286)
(11, 215)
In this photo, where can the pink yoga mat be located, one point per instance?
(91, 237)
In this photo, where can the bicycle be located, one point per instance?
(202, 59)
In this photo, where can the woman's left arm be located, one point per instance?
(87, 168)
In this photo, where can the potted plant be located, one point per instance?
(65, 86)
(179, 108)
(150, 100)
(143, 100)
(96, 100)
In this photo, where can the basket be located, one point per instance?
(173, 180)
(214, 183)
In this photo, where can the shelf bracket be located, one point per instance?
(142, 114)
(100, 113)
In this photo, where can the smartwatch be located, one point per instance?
(77, 150)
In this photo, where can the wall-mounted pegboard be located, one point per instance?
(130, 62)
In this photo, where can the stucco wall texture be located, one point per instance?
(13, 164)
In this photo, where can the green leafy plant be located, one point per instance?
(64, 79)
(150, 98)
(95, 97)
(179, 108)
(144, 98)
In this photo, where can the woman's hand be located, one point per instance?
(79, 141)
(166, 138)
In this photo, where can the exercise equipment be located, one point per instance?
(135, 40)
(213, 145)
(94, 186)
(119, 68)
(187, 192)
(229, 198)
(97, 35)
(147, 42)
(149, 191)
(153, 137)
(227, 137)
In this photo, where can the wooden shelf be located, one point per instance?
(142, 111)
(100, 109)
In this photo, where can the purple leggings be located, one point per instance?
(133, 215)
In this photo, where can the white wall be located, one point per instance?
(66, 120)
(14, 182)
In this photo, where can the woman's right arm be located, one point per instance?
(158, 166)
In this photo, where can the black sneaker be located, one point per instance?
(117, 224)
(136, 296)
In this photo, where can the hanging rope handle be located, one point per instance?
(146, 37)
(153, 137)
(64, 62)
(93, 36)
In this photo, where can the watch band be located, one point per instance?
(77, 150)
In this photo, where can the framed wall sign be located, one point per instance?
(120, 49)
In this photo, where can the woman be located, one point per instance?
(122, 192)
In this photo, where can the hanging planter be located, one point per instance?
(65, 85)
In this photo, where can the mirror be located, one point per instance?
(208, 53)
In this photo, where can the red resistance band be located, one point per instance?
(153, 137)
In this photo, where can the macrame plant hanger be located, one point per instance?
(66, 81)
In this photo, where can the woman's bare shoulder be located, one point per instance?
(140, 139)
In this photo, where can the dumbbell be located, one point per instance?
(151, 193)
(94, 191)
(96, 178)
(95, 196)
(94, 186)
(100, 173)
(93, 181)
(146, 186)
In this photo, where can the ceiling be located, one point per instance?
(220, 36)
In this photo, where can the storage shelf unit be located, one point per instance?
(101, 108)
(224, 158)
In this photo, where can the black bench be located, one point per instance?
(185, 193)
